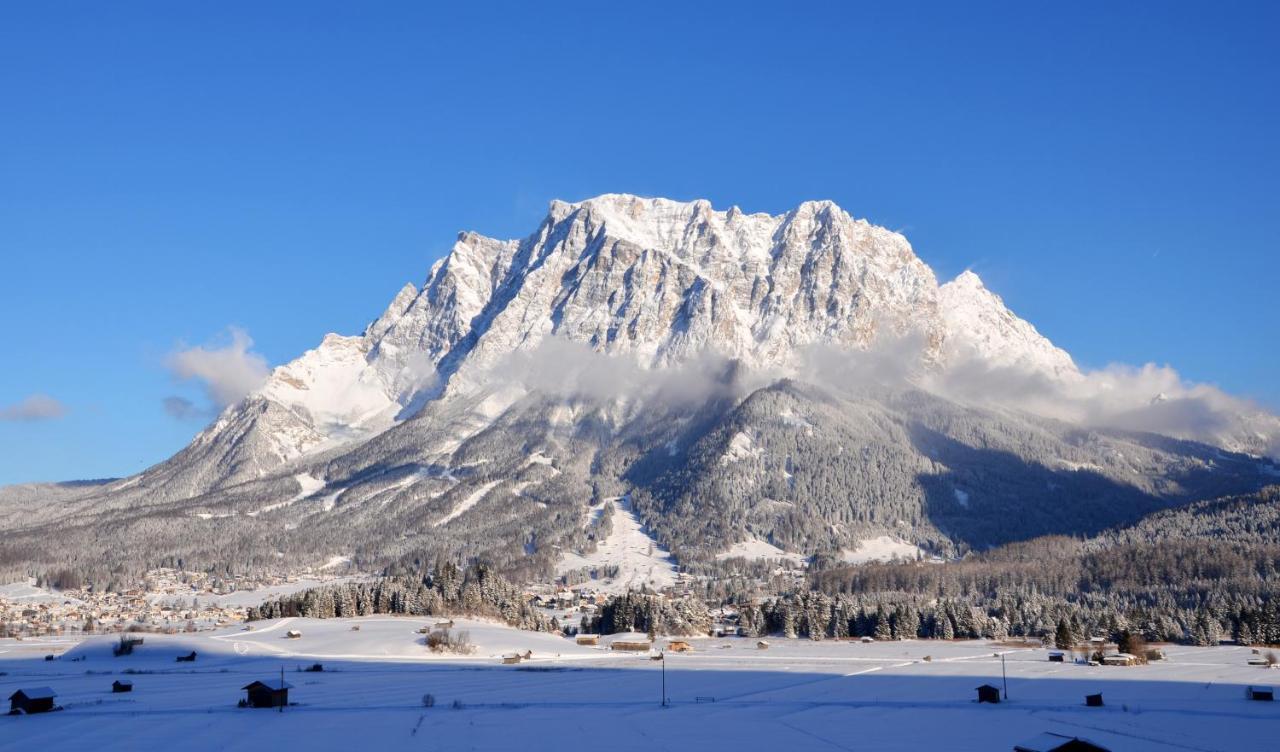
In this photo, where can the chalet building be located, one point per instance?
(1093, 701)
(988, 693)
(1265, 694)
(31, 700)
(120, 685)
(1048, 742)
(269, 693)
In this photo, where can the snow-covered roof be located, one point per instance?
(35, 693)
(1049, 741)
(273, 684)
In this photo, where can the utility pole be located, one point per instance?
(1004, 677)
(663, 658)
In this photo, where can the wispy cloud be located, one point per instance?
(226, 371)
(32, 408)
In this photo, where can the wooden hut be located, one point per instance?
(511, 658)
(268, 693)
(679, 646)
(634, 646)
(762, 645)
(1264, 694)
(293, 634)
(1049, 742)
(587, 639)
(1057, 656)
(988, 693)
(1093, 701)
(31, 700)
(121, 685)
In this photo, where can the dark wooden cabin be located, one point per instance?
(1265, 694)
(121, 685)
(271, 693)
(1093, 701)
(31, 700)
(988, 693)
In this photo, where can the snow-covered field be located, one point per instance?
(727, 694)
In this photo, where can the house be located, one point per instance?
(1093, 701)
(120, 685)
(1057, 656)
(293, 634)
(1049, 742)
(269, 693)
(1120, 659)
(511, 658)
(587, 639)
(988, 693)
(634, 646)
(1265, 694)
(31, 700)
(679, 646)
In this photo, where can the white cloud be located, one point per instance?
(32, 408)
(227, 372)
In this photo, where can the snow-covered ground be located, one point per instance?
(728, 694)
(639, 558)
(882, 548)
(754, 548)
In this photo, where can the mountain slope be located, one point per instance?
(788, 378)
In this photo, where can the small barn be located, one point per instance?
(121, 685)
(633, 646)
(31, 700)
(1057, 656)
(587, 639)
(988, 693)
(511, 658)
(1265, 694)
(1093, 701)
(269, 693)
(1049, 742)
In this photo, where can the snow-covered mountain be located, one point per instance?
(625, 349)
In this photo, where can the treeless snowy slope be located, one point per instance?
(639, 558)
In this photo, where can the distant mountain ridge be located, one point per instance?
(631, 345)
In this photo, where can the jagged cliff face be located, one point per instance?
(663, 351)
(657, 281)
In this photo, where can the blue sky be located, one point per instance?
(171, 170)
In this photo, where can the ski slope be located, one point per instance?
(727, 694)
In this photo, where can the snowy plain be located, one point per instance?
(726, 694)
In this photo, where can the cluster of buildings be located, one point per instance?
(170, 601)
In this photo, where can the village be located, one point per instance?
(168, 601)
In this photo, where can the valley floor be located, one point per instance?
(727, 694)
